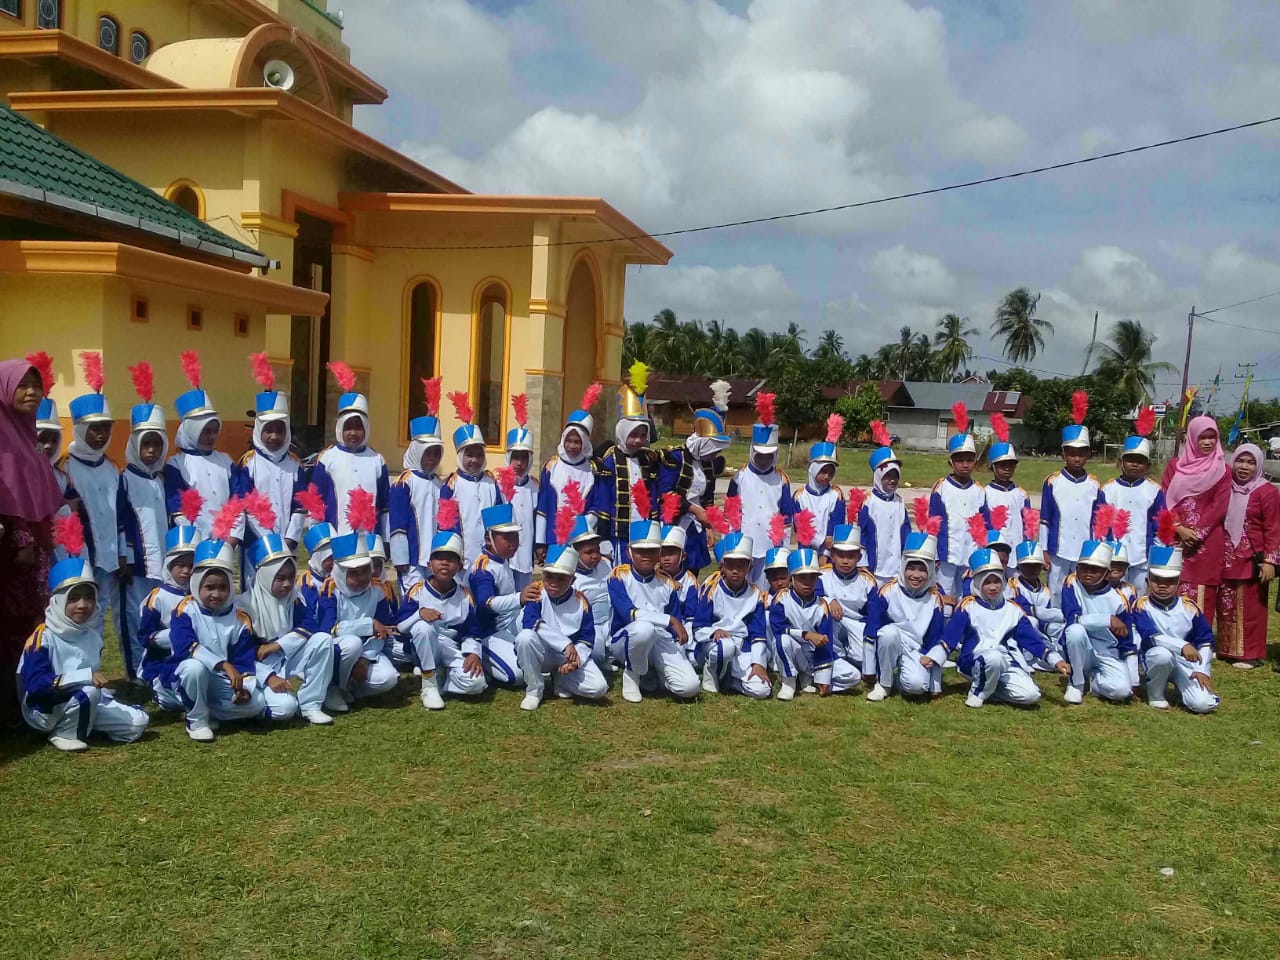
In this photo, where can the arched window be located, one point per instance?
(491, 367)
(187, 195)
(424, 304)
(139, 46)
(49, 14)
(11, 7)
(109, 35)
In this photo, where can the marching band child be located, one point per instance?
(953, 499)
(847, 590)
(319, 567)
(1177, 641)
(1068, 500)
(906, 617)
(198, 465)
(995, 640)
(648, 634)
(1003, 490)
(521, 491)
(1098, 637)
(882, 521)
(592, 576)
(471, 485)
(1140, 496)
(287, 647)
(776, 572)
(439, 616)
(48, 426)
(671, 561)
(157, 614)
(1029, 592)
(689, 473)
(96, 482)
(349, 463)
(729, 625)
(61, 687)
(571, 463)
(142, 512)
(820, 496)
(415, 495)
(498, 602)
(804, 640)
(557, 634)
(632, 461)
(763, 489)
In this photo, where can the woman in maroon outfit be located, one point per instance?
(1197, 488)
(29, 497)
(1253, 552)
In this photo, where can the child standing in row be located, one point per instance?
(763, 489)
(631, 461)
(689, 474)
(415, 496)
(820, 496)
(471, 485)
(198, 465)
(882, 521)
(1136, 493)
(570, 464)
(954, 499)
(350, 464)
(1003, 490)
(1068, 500)
(520, 490)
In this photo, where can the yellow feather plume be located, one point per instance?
(639, 377)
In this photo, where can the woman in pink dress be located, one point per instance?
(1197, 488)
(1253, 552)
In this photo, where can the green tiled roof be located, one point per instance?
(36, 165)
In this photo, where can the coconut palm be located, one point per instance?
(757, 352)
(830, 346)
(1125, 359)
(953, 350)
(1018, 326)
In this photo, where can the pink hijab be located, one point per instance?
(1240, 492)
(28, 487)
(1196, 472)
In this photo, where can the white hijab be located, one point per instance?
(625, 428)
(882, 471)
(133, 454)
(343, 418)
(413, 453)
(197, 578)
(315, 563)
(930, 566)
(166, 574)
(587, 449)
(704, 449)
(340, 583)
(190, 428)
(57, 450)
(56, 619)
(272, 616)
(79, 446)
(278, 456)
(814, 469)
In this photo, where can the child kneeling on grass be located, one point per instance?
(906, 618)
(804, 636)
(156, 616)
(847, 590)
(350, 608)
(729, 625)
(1177, 642)
(1098, 638)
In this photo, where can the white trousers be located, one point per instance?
(206, 692)
(996, 676)
(1164, 664)
(897, 650)
(110, 595)
(732, 664)
(135, 593)
(540, 651)
(1059, 570)
(1107, 675)
(796, 656)
(382, 676)
(951, 579)
(88, 710)
(850, 645)
(501, 662)
(309, 658)
(439, 653)
(641, 646)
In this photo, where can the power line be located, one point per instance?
(855, 205)
(1241, 303)
(1239, 326)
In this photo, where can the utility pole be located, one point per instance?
(1186, 374)
(1088, 354)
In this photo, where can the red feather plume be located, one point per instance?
(1146, 422)
(1167, 527)
(932, 526)
(224, 521)
(573, 497)
(1102, 518)
(777, 530)
(920, 507)
(431, 392)
(262, 371)
(1030, 523)
(961, 415)
(765, 408)
(68, 533)
(91, 363)
(312, 501)
(506, 477)
(880, 434)
(999, 517)
(853, 505)
(144, 380)
(978, 529)
(362, 513)
(44, 363)
(641, 502)
(343, 373)
(716, 520)
(590, 396)
(190, 361)
(1120, 524)
(1079, 406)
(520, 404)
(565, 520)
(806, 529)
(835, 428)
(191, 503)
(1000, 427)
(258, 506)
(448, 515)
(461, 405)
(733, 512)
(670, 507)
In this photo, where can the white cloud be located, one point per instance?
(741, 296)
(1112, 20)
(1114, 280)
(912, 276)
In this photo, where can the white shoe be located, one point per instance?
(531, 701)
(877, 693)
(710, 682)
(430, 697)
(335, 702)
(201, 734)
(1159, 704)
(69, 744)
(417, 671)
(1073, 694)
(973, 700)
(631, 687)
(948, 665)
(1243, 664)
(806, 683)
(318, 717)
(787, 688)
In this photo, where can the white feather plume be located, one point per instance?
(720, 394)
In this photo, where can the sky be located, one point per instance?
(688, 112)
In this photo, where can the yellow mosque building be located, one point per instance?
(286, 229)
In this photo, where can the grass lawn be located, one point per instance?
(721, 828)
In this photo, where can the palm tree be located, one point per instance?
(1125, 358)
(830, 346)
(953, 350)
(903, 354)
(757, 352)
(1017, 324)
(638, 343)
